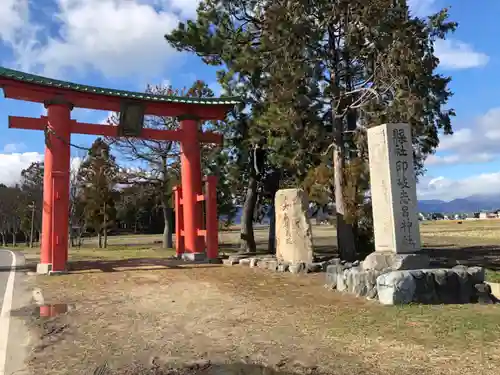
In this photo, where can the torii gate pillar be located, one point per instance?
(55, 214)
(192, 187)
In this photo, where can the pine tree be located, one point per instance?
(97, 176)
(317, 74)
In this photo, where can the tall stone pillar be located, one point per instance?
(394, 200)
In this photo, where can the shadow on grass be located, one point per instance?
(487, 256)
(208, 368)
(119, 265)
(141, 264)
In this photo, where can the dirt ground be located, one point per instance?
(142, 316)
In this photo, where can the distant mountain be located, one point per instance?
(474, 203)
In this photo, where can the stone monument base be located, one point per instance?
(459, 284)
(383, 261)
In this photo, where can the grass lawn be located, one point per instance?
(140, 312)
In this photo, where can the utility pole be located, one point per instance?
(32, 223)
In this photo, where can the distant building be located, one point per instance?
(488, 215)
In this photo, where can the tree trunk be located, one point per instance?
(167, 242)
(271, 242)
(99, 239)
(346, 241)
(3, 239)
(247, 243)
(14, 240)
(273, 186)
(71, 236)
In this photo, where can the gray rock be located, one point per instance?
(396, 287)
(253, 262)
(379, 260)
(332, 272)
(355, 263)
(342, 280)
(357, 282)
(335, 261)
(314, 267)
(425, 291)
(230, 262)
(371, 283)
(440, 282)
(245, 262)
(283, 267)
(272, 265)
(467, 292)
(347, 265)
(372, 294)
(262, 264)
(477, 274)
(447, 285)
(297, 268)
(238, 257)
(483, 292)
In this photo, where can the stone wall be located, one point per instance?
(459, 284)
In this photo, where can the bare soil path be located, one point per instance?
(234, 315)
(145, 315)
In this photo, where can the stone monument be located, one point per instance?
(394, 200)
(293, 228)
(397, 272)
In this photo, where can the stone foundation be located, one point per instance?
(459, 284)
(427, 286)
(384, 261)
(270, 262)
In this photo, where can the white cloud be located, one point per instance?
(422, 8)
(474, 144)
(11, 165)
(117, 38)
(448, 188)
(10, 148)
(75, 163)
(13, 14)
(454, 54)
(456, 159)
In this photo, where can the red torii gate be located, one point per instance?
(61, 97)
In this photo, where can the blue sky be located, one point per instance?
(120, 44)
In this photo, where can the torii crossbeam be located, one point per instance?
(60, 98)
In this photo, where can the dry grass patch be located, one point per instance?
(236, 314)
(140, 311)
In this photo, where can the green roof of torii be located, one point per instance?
(54, 83)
